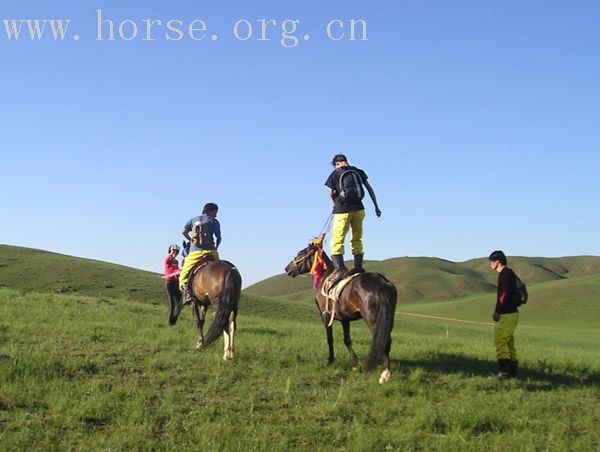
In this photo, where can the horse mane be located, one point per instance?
(327, 260)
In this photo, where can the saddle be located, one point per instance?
(332, 293)
(199, 266)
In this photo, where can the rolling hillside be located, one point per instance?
(105, 371)
(432, 279)
(93, 373)
(30, 270)
(572, 305)
(418, 279)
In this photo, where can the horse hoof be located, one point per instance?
(385, 376)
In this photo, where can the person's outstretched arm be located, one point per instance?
(373, 198)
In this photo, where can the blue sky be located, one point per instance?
(477, 123)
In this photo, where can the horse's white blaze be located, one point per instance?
(385, 376)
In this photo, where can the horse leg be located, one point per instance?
(199, 315)
(386, 374)
(226, 340)
(329, 331)
(229, 338)
(348, 342)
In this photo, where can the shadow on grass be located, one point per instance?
(533, 378)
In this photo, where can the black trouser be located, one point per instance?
(172, 292)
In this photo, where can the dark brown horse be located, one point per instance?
(369, 296)
(217, 284)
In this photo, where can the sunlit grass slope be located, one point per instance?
(96, 373)
(573, 305)
(28, 270)
(430, 279)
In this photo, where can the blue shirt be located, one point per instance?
(214, 229)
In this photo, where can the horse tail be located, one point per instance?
(384, 322)
(230, 296)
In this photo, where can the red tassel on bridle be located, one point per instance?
(319, 263)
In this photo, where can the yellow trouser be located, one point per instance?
(341, 223)
(505, 340)
(190, 262)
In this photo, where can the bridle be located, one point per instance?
(299, 261)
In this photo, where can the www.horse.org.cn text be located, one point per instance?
(287, 33)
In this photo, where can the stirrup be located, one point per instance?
(187, 296)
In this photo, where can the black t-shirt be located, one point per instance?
(332, 182)
(505, 300)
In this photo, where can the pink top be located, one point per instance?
(171, 268)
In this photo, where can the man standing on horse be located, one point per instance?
(346, 191)
(201, 232)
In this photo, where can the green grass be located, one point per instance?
(29, 270)
(425, 279)
(85, 366)
(94, 373)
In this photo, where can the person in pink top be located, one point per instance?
(171, 277)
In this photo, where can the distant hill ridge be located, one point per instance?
(434, 279)
(31, 270)
(416, 278)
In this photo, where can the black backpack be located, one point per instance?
(350, 187)
(521, 295)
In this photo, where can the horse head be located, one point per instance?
(303, 261)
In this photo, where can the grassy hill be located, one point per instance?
(95, 373)
(418, 279)
(432, 279)
(30, 270)
(90, 367)
(572, 304)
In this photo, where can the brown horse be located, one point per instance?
(369, 296)
(217, 284)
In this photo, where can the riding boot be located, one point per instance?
(358, 264)
(504, 369)
(187, 294)
(340, 269)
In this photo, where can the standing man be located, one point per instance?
(201, 232)
(346, 191)
(506, 316)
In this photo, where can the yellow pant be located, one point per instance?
(505, 340)
(341, 223)
(190, 262)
